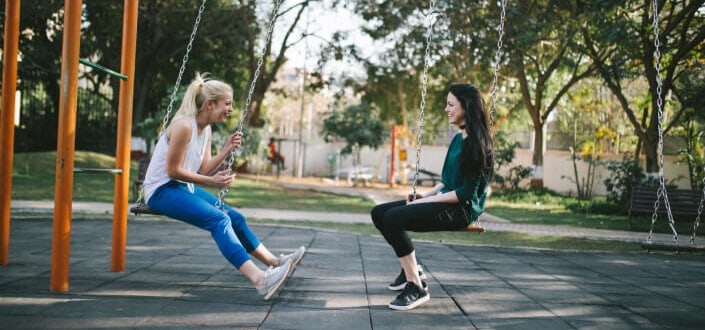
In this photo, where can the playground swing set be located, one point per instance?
(661, 192)
(67, 123)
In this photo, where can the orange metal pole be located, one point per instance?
(7, 121)
(124, 135)
(66, 139)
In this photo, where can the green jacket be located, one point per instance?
(471, 190)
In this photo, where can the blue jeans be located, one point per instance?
(228, 228)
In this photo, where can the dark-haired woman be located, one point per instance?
(454, 203)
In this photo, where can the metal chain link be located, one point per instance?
(497, 59)
(184, 60)
(493, 93)
(661, 192)
(696, 224)
(220, 203)
(424, 84)
(172, 98)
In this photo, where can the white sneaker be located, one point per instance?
(273, 279)
(294, 257)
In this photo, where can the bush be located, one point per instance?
(504, 155)
(625, 175)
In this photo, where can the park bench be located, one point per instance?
(426, 175)
(684, 203)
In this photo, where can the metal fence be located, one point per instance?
(96, 121)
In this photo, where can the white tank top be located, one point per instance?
(157, 176)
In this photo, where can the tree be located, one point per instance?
(691, 90)
(620, 42)
(544, 61)
(358, 125)
(164, 29)
(41, 24)
(225, 45)
(275, 54)
(463, 41)
(394, 75)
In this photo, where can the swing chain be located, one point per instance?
(424, 84)
(172, 98)
(661, 192)
(497, 59)
(170, 108)
(220, 203)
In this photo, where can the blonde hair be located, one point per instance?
(201, 90)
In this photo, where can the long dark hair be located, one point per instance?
(477, 156)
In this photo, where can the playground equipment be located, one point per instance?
(66, 141)
(661, 193)
(475, 228)
(141, 207)
(7, 119)
(102, 68)
(63, 191)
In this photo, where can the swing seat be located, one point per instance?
(473, 228)
(143, 209)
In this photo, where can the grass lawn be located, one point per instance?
(33, 179)
(554, 210)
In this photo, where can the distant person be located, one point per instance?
(182, 160)
(274, 156)
(454, 203)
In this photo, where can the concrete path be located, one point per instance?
(175, 278)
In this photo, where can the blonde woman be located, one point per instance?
(182, 162)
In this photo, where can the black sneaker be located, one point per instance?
(400, 282)
(411, 297)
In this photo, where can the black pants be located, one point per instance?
(393, 219)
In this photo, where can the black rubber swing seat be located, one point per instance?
(143, 209)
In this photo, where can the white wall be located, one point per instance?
(557, 164)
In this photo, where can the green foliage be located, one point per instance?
(585, 183)
(694, 156)
(589, 154)
(624, 175)
(226, 45)
(517, 174)
(358, 125)
(621, 44)
(504, 154)
(691, 93)
(504, 150)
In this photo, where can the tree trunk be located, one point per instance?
(650, 144)
(537, 159)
